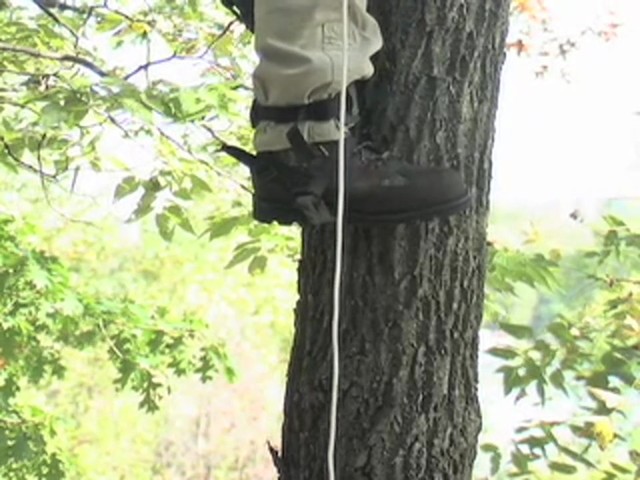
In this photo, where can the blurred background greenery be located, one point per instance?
(145, 322)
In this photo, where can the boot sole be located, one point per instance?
(268, 212)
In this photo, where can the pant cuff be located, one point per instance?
(270, 136)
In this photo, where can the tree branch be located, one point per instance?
(188, 151)
(64, 58)
(613, 280)
(174, 56)
(21, 73)
(4, 101)
(58, 5)
(128, 17)
(45, 189)
(146, 66)
(276, 458)
(25, 165)
(44, 6)
(217, 38)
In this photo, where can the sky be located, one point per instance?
(572, 139)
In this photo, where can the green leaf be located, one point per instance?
(560, 331)
(561, 467)
(76, 107)
(185, 224)
(257, 264)
(507, 353)
(515, 330)
(495, 456)
(127, 186)
(489, 448)
(557, 380)
(614, 222)
(611, 239)
(165, 225)
(575, 456)
(144, 207)
(536, 441)
(181, 219)
(153, 184)
(620, 468)
(225, 226)
(511, 379)
(109, 21)
(136, 107)
(183, 193)
(520, 461)
(242, 255)
(198, 184)
(633, 240)
(613, 361)
(52, 115)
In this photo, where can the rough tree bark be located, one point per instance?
(413, 294)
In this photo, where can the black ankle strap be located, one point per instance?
(307, 183)
(309, 195)
(242, 10)
(319, 111)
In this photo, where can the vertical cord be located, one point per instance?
(339, 248)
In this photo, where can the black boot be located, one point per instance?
(299, 185)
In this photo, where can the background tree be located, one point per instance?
(582, 348)
(413, 297)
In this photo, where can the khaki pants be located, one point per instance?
(299, 45)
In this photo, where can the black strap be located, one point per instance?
(319, 111)
(244, 157)
(307, 189)
(301, 147)
(318, 168)
(242, 10)
(308, 195)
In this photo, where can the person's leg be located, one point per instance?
(297, 82)
(299, 45)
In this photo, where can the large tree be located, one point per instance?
(413, 294)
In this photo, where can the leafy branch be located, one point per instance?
(43, 174)
(44, 6)
(176, 56)
(43, 313)
(63, 58)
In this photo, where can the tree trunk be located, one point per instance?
(413, 293)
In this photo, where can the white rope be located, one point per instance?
(339, 247)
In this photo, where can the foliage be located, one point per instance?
(93, 88)
(586, 351)
(43, 313)
(78, 80)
